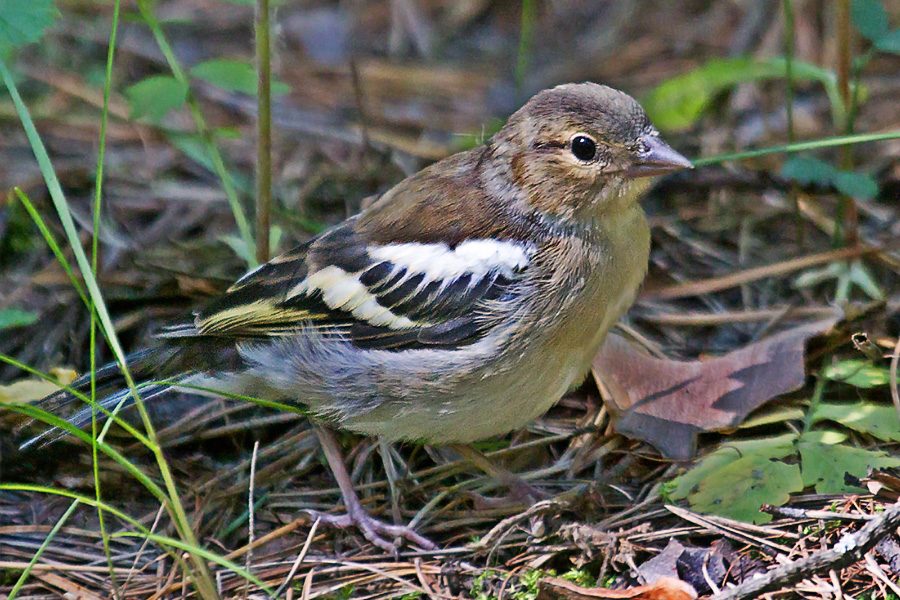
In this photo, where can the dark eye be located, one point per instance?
(584, 148)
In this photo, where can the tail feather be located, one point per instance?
(111, 388)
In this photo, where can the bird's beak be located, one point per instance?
(658, 159)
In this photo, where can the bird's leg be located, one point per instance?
(378, 532)
(521, 490)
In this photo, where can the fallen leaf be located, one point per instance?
(29, 390)
(665, 588)
(880, 421)
(740, 486)
(825, 462)
(668, 402)
(664, 564)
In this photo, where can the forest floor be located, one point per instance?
(745, 252)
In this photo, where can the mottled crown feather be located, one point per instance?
(613, 114)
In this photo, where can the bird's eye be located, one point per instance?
(584, 148)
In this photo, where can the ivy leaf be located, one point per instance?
(155, 96)
(880, 421)
(737, 479)
(14, 317)
(889, 42)
(234, 76)
(858, 373)
(741, 488)
(825, 461)
(709, 465)
(807, 170)
(24, 22)
(869, 18)
(856, 185)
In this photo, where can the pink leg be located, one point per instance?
(378, 532)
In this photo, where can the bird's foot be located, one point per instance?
(384, 535)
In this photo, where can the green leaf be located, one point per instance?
(880, 421)
(23, 22)
(737, 479)
(858, 373)
(155, 96)
(678, 102)
(824, 461)
(889, 42)
(196, 148)
(855, 184)
(870, 18)
(249, 254)
(234, 76)
(738, 489)
(807, 170)
(14, 317)
(709, 465)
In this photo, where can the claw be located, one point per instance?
(374, 530)
(383, 535)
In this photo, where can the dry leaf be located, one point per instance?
(29, 390)
(668, 402)
(665, 588)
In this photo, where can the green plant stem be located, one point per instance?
(204, 582)
(95, 247)
(846, 232)
(51, 243)
(799, 147)
(142, 531)
(146, 10)
(789, 67)
(526, 35)
(263, 132)
(40, 551)
(789, 107)
(842, 24)
(814, 403)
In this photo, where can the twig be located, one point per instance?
(727, 528)
(294, 567)
(800, 513)
(250, 517)
(895, 393)
(417, 562)
(851, 548)
(715, 284)
(875, 569)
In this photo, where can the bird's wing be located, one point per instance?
(391, 296)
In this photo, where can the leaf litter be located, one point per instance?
(729, 252)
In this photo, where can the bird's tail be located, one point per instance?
(112, 390)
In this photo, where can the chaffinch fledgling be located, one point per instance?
(462, 304)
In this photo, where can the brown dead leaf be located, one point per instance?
(668, 402)
(665, 588)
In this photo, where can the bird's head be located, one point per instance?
(578, 150)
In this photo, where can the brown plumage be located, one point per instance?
(461, 304)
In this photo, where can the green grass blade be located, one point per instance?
(40, 551)
(204, 581)
(51, 242)
(143, 532)
(95, 242)
(799, 147)
(146, 10)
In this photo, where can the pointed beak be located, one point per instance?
(658, 159)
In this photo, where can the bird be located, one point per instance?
(461, 304)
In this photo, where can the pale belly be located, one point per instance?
(496, 399)
(500, 383)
